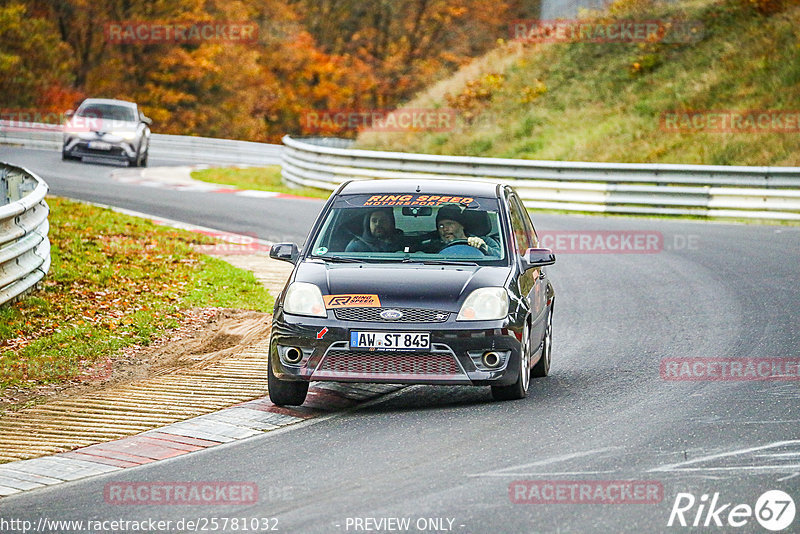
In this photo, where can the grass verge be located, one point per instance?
(115, 280)
(257, 178)
(586, 101)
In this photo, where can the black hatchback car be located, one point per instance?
(414, 282)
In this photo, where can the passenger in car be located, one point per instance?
(452, 224)
(379, 235)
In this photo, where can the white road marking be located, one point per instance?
(256, 194)
(753, 468)
(778, 422)
(778, 455)
(542, 473)
(683, 466)
(513, 470)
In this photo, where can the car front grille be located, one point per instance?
(352, 364)
(410, 315)
(114, 151)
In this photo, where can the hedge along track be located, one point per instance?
(124, 410)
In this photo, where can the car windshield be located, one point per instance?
(107, 112)
(415, 227)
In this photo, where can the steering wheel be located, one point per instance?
(461, 247)
(457, 242)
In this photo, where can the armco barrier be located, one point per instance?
(24, 246)
(168, 147)
(638, 188)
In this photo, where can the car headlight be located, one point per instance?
(303, 298)
(484, 304)
(128, 136)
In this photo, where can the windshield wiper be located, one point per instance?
(338, 259)
(440, 262)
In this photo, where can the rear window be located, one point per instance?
(411, 226)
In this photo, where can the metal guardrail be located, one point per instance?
(634, 188)
(650, 189)
(174, 147)
(24, 246)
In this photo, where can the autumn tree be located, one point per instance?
(310, 55)
(34, 66)
(408, 44)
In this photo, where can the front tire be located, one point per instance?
(285, 392)
(519, 389)
(542, 367)
(136, 161)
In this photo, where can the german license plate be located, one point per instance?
(389, 340)
(99, 145)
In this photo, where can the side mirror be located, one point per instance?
(538, 257)
(147, 120)
(284, 252)
(69, 113)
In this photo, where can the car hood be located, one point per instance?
(442, 287)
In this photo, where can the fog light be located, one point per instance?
(293, 355)
(491, 359)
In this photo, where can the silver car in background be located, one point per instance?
(107, 128)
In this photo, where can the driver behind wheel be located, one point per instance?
(451, 223)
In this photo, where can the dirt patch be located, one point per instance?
(206, 335)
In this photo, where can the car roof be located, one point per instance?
(452, 187)
(113, 101)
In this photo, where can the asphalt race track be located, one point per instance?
(268, 219)
(447, 459)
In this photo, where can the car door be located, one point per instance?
(531, 282)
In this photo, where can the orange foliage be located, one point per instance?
(310, 55)
(768, 7)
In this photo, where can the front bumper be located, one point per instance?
(77, 145)
(455, 355)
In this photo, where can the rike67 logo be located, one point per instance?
(774, 510)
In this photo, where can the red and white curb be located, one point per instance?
(242, 421)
